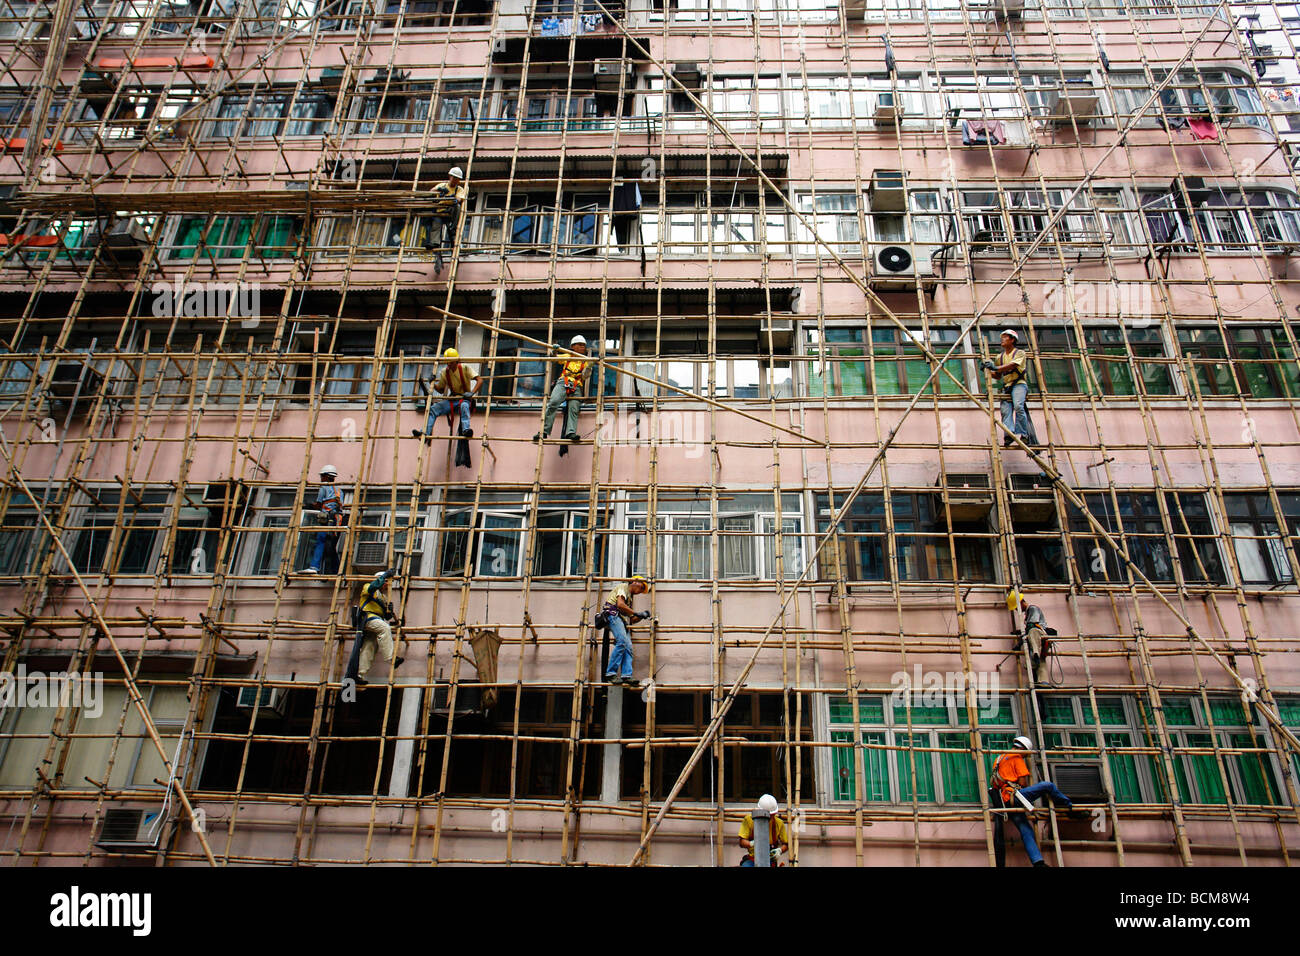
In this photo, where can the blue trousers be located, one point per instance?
(326, 550)
(442, 407)
(1015, 414)
(1044, 788)
(620, 657)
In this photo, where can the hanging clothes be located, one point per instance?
(551, 27)
(626, 205)
(978, 132)
(1203, 129)
(591, 22)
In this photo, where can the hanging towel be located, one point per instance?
(566, 27)
(551, 27)
(1203, 129)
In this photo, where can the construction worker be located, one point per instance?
(1011, 369)
(448, 197)
(1011, 782)
(329, 511)
(1039, 636)
(376, 632)
(459, 382)
(778, 837)
(568, 389)
(618, 614)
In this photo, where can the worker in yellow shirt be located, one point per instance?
(568, 391)
(1011, 370)
(448, 199)
(374, 630)
(778, 837)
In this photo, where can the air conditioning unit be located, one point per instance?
(888, 109)
(782, 331)
(126, 234)
(371, 554)
(1030, 498)
(901, 267)
(331, 77)
(97, 82)
(1082, 781)
(1078, 101)
(131, 828)
(393, 77)
(970, 496)
(1004, 10)
(499, 46)
(273, 700)
(855, 9)
(467, 699)
(687, 74)
(73, 377)
(888, 191)
(608, 73)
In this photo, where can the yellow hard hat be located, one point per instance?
(451, 354)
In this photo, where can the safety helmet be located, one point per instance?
(1010, 332)
(1024, 743)
(577, 340)
(456, 172)
(329, 470)
(451, 354)
(767, 803)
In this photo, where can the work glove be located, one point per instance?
(986, 364)
(643, 615)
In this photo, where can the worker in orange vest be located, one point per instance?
(1011, 781)
(568, 391)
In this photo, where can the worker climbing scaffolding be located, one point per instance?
(373, 619)
(1011, 787)
(458, 383)
(447, 199)
(329, 511)
(567, 391)
(1010, 369)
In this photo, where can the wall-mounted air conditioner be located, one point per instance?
(902, 266)
(888, 191)
(1004, 10)
(687, 74)
(130, 828)
(1030, 498)
(1077, 101)
(855, 9)
(782, 332)
(467, 699)
(888, 109)
(608, 73)
(73, 378)
(970, 496)
(273, 700)
(126, 234)
(331, 77)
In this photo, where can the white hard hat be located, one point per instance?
(457, 172)
(577, 340)
(1024, 742)
(329, 470)
(767, 803)
(1010, 332)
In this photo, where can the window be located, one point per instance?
(262, 548)
(23, 541)
(1250, 776)
(742, 368)
(921, 545)
(459, 105)
(834, 217)
(936, 752)
(231, 237)
(272, 113)
(393, 107)
(276, 756)
(747, 540)
(1258, 541)
(536, 223)
(689, 224)
(1070, 734)
(762, 719)
(388, 528)
(495, 540)
(1260, 358)
(892, 361)
(217, 375)
(136, 549)
(344, 370)
(1108, 370)
(1140, 527)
